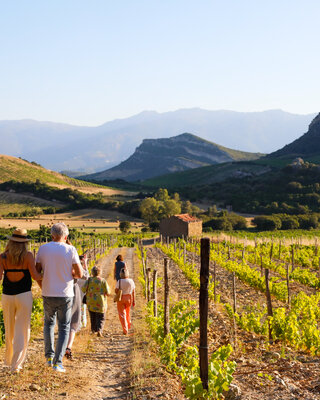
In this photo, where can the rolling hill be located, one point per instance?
(12, 168)
(155, 157)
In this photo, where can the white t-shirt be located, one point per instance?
(56, 259)
(127, 285)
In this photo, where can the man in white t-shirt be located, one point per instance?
(60, 264)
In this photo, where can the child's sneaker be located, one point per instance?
(59, 368)
(50, 362)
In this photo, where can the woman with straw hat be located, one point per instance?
(17, 266)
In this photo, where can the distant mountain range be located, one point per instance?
(89, 149)
(156, 157)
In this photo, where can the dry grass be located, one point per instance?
(87, 220)
(106, 191)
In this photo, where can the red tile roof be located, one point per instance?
(187, 218)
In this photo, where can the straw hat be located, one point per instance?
(19, 235)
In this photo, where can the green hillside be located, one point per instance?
(209, 174)
(12, 168)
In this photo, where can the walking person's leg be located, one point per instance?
(127, 302)
(84, 315)
(49, 308)
(75, 320)
(64, 318)
(95, 322)
(101, 317)
(92, 320)
(122, 316)
(22, 329)
(128, 318)
(9, 311)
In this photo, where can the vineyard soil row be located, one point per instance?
(263, 371)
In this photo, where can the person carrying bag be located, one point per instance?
(97, 293)
(118, 295)
(126, 286)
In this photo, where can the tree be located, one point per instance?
(212, 211)
(162, 195)
(124, 226)
(149, 209)
(170, 207)
(176, 197)
(186, 207)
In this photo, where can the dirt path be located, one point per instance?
(100, 369)
(111, 359)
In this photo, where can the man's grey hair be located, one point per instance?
(59, 230)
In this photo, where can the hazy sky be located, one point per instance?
(90, 61)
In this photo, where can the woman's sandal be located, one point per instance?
(68, 353)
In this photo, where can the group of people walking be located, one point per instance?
(64, 279)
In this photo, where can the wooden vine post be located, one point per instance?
(279, 249)
(271, 251)
(288, 283)
(214, 281)
(155, 297)
(292, 258)
(148, 283)
(234, 309)
(234, 295)
(269, 304)
(166, 298)
(145, 276)
(203, 305)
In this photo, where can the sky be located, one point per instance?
(87, 62)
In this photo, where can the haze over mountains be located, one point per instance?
(88, 149)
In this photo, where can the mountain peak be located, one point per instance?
(156, 157)
(306, 145)
(315, 123)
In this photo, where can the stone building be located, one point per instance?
(180, 225)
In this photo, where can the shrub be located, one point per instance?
(267, 223)
(289, 222)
